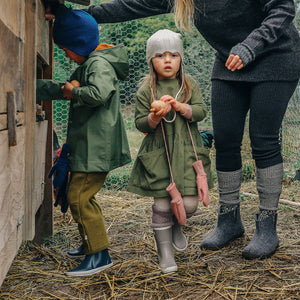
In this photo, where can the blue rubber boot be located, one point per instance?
(92, 264)
(76, 253)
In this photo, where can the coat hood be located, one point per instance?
(117, 57)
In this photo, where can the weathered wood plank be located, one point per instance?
(29, 103)
(3, 122)
(44, 216)
(12, 161)
(42, 34)
(10, 251)
(40, 161)
(9, 49)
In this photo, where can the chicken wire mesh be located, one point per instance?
(198, 60)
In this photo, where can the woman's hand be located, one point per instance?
(234, 62)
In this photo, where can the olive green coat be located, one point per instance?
(97, 135)
(150, 174)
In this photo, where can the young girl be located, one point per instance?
(151, 172)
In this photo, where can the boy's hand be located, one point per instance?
(48, 14)
(176, 105)
(67, 90)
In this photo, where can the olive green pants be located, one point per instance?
(86, 212)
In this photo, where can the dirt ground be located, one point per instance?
(38, 270)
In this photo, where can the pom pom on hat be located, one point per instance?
(77, 31)
(162, 41)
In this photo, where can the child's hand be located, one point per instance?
(176, 105)
(67, 90)
(159, 109)
(48, 14)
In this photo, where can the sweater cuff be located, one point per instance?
(188, 112)
(245, 54)
(151, 122)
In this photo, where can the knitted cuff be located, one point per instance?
(188, 113)
(161, 218)
(151, 122)
(245, 54)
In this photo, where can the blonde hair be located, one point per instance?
(152, 78)
(184, 13)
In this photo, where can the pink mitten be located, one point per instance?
(201, 182)
(177, 203)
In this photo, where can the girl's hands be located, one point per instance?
(234, 62)
(176, 105)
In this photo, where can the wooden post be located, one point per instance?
(29, 108)
(44, 217)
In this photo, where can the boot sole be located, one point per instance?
(215, 248)
(89, 272)
(76, 256)
(169, 270)
(179, 249)
(251, 256)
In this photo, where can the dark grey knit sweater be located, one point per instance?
(261, 32)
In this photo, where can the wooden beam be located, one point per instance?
(29, 109)
(11, 119)
(44, 217)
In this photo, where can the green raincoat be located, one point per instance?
(97, 135)
(150, 174)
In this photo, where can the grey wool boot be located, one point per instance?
(163, 238)
(229, 226)
(265, 239)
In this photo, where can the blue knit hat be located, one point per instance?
(77, 31)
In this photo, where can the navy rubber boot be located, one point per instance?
(92, 264)
(265, 239)
(229, 228)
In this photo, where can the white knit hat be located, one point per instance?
(163, 41)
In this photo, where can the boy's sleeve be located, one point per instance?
(48, 90)
(196, 102)
(102, 82)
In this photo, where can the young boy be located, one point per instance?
(96, 134)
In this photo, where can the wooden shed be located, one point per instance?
(26, 197)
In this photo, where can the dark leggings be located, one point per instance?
(267, 103)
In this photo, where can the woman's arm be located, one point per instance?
(125, 10)
(279, 16)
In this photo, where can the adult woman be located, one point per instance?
(256, 69)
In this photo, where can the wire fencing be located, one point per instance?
(198, 62)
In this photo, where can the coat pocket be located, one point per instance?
(156, 174)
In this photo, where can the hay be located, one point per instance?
(38, 270)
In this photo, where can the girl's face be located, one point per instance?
(166, 65)
(79, 59)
